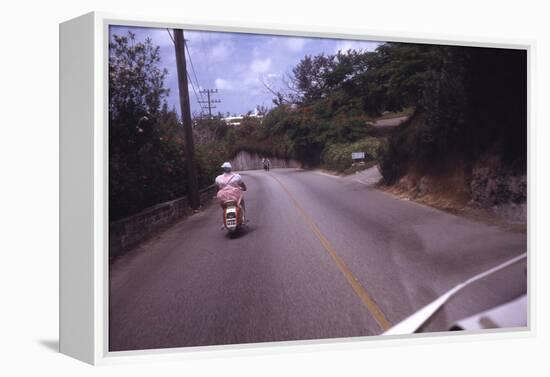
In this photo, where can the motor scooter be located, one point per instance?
(234, 218)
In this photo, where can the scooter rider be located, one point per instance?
(267, 163)
(231, 179)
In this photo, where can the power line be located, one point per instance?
(171, 37)
(194, 91)
(206, 47)
(187, 72)
(193, 69)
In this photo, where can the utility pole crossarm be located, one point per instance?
(209, 100)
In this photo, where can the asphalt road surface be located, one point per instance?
(323, 257)
(390, 122)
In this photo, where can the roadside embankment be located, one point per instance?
(487, 189)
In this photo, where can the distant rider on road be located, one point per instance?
(267, 163)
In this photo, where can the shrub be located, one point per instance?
(338, 156)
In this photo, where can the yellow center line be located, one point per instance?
(373, 308)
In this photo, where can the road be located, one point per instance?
(324, 257)
(390, 122)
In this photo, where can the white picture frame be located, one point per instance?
(84, 258)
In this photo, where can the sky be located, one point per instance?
(236, 64)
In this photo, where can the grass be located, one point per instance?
(337, 157)
(359, 167)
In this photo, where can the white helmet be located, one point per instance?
(227, 165)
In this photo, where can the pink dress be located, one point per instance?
(230, 189)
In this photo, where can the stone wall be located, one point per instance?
(494, 186)
(130, 231)
(488, 185)
(251, 161)
(502, 189)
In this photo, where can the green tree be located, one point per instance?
(309, 77)
(146, 163)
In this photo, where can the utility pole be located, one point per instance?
(210, 101)
(193, 185)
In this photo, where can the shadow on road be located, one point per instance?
(241, 233)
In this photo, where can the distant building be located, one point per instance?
(233, 121)
(236, 120)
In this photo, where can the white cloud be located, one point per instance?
(205, 37)
(221, 51)
(224, 84)
(260, 65)
(251, 80)
(271, 79)
(295, 44)
(355, 45)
